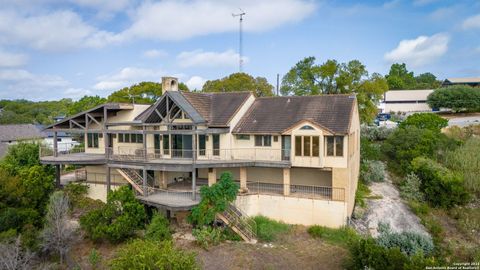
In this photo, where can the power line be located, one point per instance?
(240, 45)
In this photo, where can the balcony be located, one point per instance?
(69, 155)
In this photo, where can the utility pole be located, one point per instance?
(241, 14)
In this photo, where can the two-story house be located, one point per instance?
(296, 159)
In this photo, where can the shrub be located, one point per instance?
(361, 194)
(207, 236)
(342, 236)
(75, 192)
(410, 243)
(442, 187)
(369, 150)
(269, 230)
(147, 254)
(117, 220)
(159, 228)
(457, 98)
(424, 121)
(372, 171)
(410, 188)
(365, 253)
(214, 200)
(403, 145)
(374, 133)
(94, 258)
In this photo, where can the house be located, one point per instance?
(472, 81)
(405, 101)
(296, 159)
(13, 134)
(65, 141)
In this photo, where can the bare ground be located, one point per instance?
(386, 206)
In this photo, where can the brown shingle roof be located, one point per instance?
(20, 132)
(217, 108)
(277, 114)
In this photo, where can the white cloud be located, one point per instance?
(126, 77)
(471, 22)
(76, 93)
(8, 59)
(20, 83)
(419, 51)
(199, 58)
(56, 31)
(154, 53)
(177, 20)
(195, 83)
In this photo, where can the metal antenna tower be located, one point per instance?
(241, 14)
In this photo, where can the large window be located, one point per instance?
(202, 144)
(166, 144)
(92, 140)
(263, 140)
(130, 138)
(307, 146)
(216, 144)
(243, 137)
(334, 146)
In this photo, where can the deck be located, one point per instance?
(171, 199)
(74, 158)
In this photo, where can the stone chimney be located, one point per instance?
(169, 84)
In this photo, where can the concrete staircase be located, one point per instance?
(133, 177)
(240, 223)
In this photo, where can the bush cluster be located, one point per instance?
(343, 235)
(117, 220)
(158, 229)
(269, 230)
(148, 254)
(207, 236)
(372, 171)
(410, 188)
(410, 243)
(374, 133)
(424, 121)
(442, 187)
(457, 98)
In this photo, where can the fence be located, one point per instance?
(302, 191)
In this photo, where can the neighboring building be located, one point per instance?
(65, 141)
(405, 101)
(12, 134)
(296, 159)
(473, 81)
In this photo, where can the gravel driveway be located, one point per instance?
(388, 209)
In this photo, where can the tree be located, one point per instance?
(427, 81)
(141, 93)
(58, 233)
(240, 82)
(425, 120)
(29, 112)
(215, 199)
(307, 78)
(14, 257)
(85, 103)
(400, 78)
(457, 98)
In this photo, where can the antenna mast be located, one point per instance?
(241, 14)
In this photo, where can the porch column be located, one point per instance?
(286, 181)
(55, 144)
(108, 179)
(243, 177)
(144, 143)
(57, 176)
(194, 184)
(144, 183)
(212, 176)
(163, 179)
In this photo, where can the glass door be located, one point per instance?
(216, 144)
(157, 143)
(286, 147)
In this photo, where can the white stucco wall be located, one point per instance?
(293, 210)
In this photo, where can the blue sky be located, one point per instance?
(51, 49)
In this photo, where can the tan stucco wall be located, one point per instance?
(311, 177)
(265, 175)
(97, 174)
(294, 210)
(99, 191)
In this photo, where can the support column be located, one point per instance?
(194, 184)
(144, 182)
(212, 176)
(163, 179)
(144, 143)
(243, 178)
(55, 144)
(57, 176)
(108, 179)
(286, 181)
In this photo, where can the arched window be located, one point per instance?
(306, 127)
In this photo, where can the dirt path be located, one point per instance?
(388, 209)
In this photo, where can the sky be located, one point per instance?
(53, 49)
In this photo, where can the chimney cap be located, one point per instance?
(169, 84)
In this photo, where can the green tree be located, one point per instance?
(29, 112)
(400, 78)
(425, 120)
(307, 78)
(141, 93)
(457, 98)
(427, 81)
(85, 103)
(215, 199)
(240, 82)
